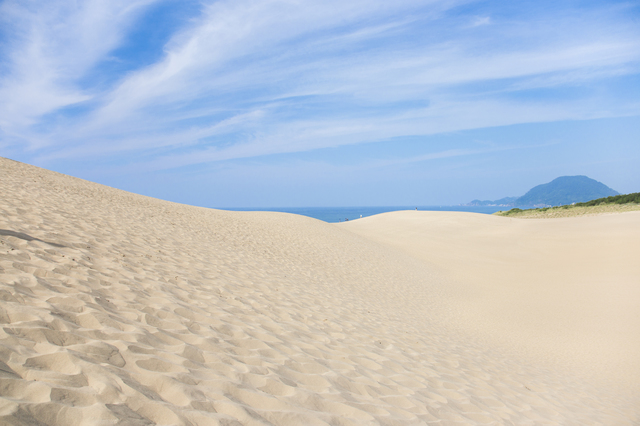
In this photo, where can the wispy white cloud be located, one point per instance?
(49, 46)
(479, 21)
(249, 78)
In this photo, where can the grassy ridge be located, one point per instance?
(616, 199)
(616, 203)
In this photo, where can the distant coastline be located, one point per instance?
(560, 191)
(339, 214)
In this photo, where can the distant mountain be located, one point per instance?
(560, 191)
(506, 201)
(565, 190)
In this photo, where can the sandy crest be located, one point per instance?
(121, 309)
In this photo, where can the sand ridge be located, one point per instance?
(570, 211)
(122, 309)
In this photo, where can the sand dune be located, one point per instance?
(565, 289)
(121, 309)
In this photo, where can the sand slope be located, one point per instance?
(567, 290)
(122, 309)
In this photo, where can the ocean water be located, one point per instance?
(340, 214)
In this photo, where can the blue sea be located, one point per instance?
(340, 214)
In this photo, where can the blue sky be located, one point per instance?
(329, 103)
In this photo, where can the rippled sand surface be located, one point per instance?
(121, 309)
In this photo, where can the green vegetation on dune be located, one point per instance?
(625, 199)
(509, 212)
(616, 199)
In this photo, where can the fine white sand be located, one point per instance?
(121, 309)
